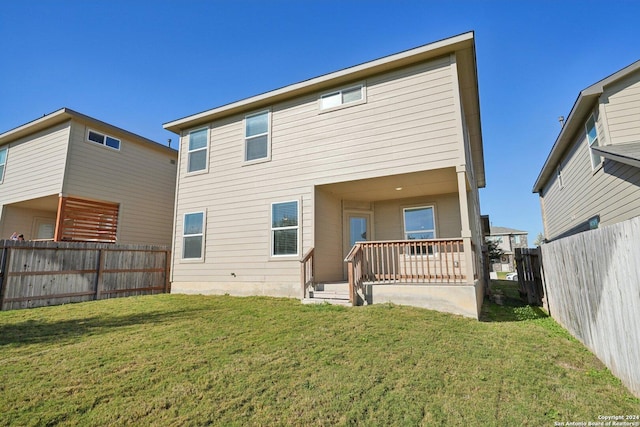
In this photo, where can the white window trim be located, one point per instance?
(89, 130)
(435, 231)
(6, 159)
(203, 234)
(404, 225)
(245, 139)
(272, 256)
(559, 177)
(362, 100)
(594, 167)
(205, 148)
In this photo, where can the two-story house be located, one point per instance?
(507, 240)
(69, 177)
(591, 177)
(378, 164)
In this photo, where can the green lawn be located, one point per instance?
(194, 360)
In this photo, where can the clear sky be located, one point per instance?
(140, 63)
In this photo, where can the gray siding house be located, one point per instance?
(592, 175)
(368, 176)
(507, 239)
(69, 177)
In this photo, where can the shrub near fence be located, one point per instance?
(593, 290)
(35, 274)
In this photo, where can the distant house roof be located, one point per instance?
(628, 154)
(497, 231)
(64, 114)
(581, 109)
(462, 45)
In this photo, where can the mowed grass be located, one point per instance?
(220, 360)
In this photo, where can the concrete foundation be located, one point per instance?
(241, 289)
(465, 299)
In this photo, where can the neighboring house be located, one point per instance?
(385, 153)
(592, 175)
(70, 177)
(507, 239)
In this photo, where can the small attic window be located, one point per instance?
(349, 95)
(102, 139)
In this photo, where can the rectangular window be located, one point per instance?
(419, 223)
(102, 139)
(341, 97)
(592, 137)
(516, 239)
(3, 162)
(256, 136)
(559, 177)
(197, 153)
(284, 228)
(193, 236)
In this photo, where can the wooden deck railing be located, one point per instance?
(307, 272)
(407, 261)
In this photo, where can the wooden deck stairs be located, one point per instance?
(329, 293)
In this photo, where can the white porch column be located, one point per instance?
(465, 232)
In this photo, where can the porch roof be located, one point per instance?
(628, 154)
(430, 182)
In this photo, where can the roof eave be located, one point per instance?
(583, 104)
(429, 51)
(64, 114)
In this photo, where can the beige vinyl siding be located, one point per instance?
(139, 177)
(613, 192)
(389, 221)
(407, 124)
(22, 221)
(35, 165)
(622, 104)
(328, 228)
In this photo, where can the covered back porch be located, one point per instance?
(409, 239)
(62, 218)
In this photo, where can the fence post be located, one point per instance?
(99, 274)
(4, 256)
(543, 280)
(167, 270)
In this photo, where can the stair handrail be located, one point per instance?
(355, 272)
(307, 272)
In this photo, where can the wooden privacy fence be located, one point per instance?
(528, 265)
(593, 290)
(35, 274)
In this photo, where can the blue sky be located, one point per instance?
(139, 64)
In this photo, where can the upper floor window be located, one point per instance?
(340, 97)
(256, 136)
(419, 223)
(592, 137)
(102, 139)
(197, 153)
(193, 236)
(3, 161)
(559, 177)
(284, 228)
